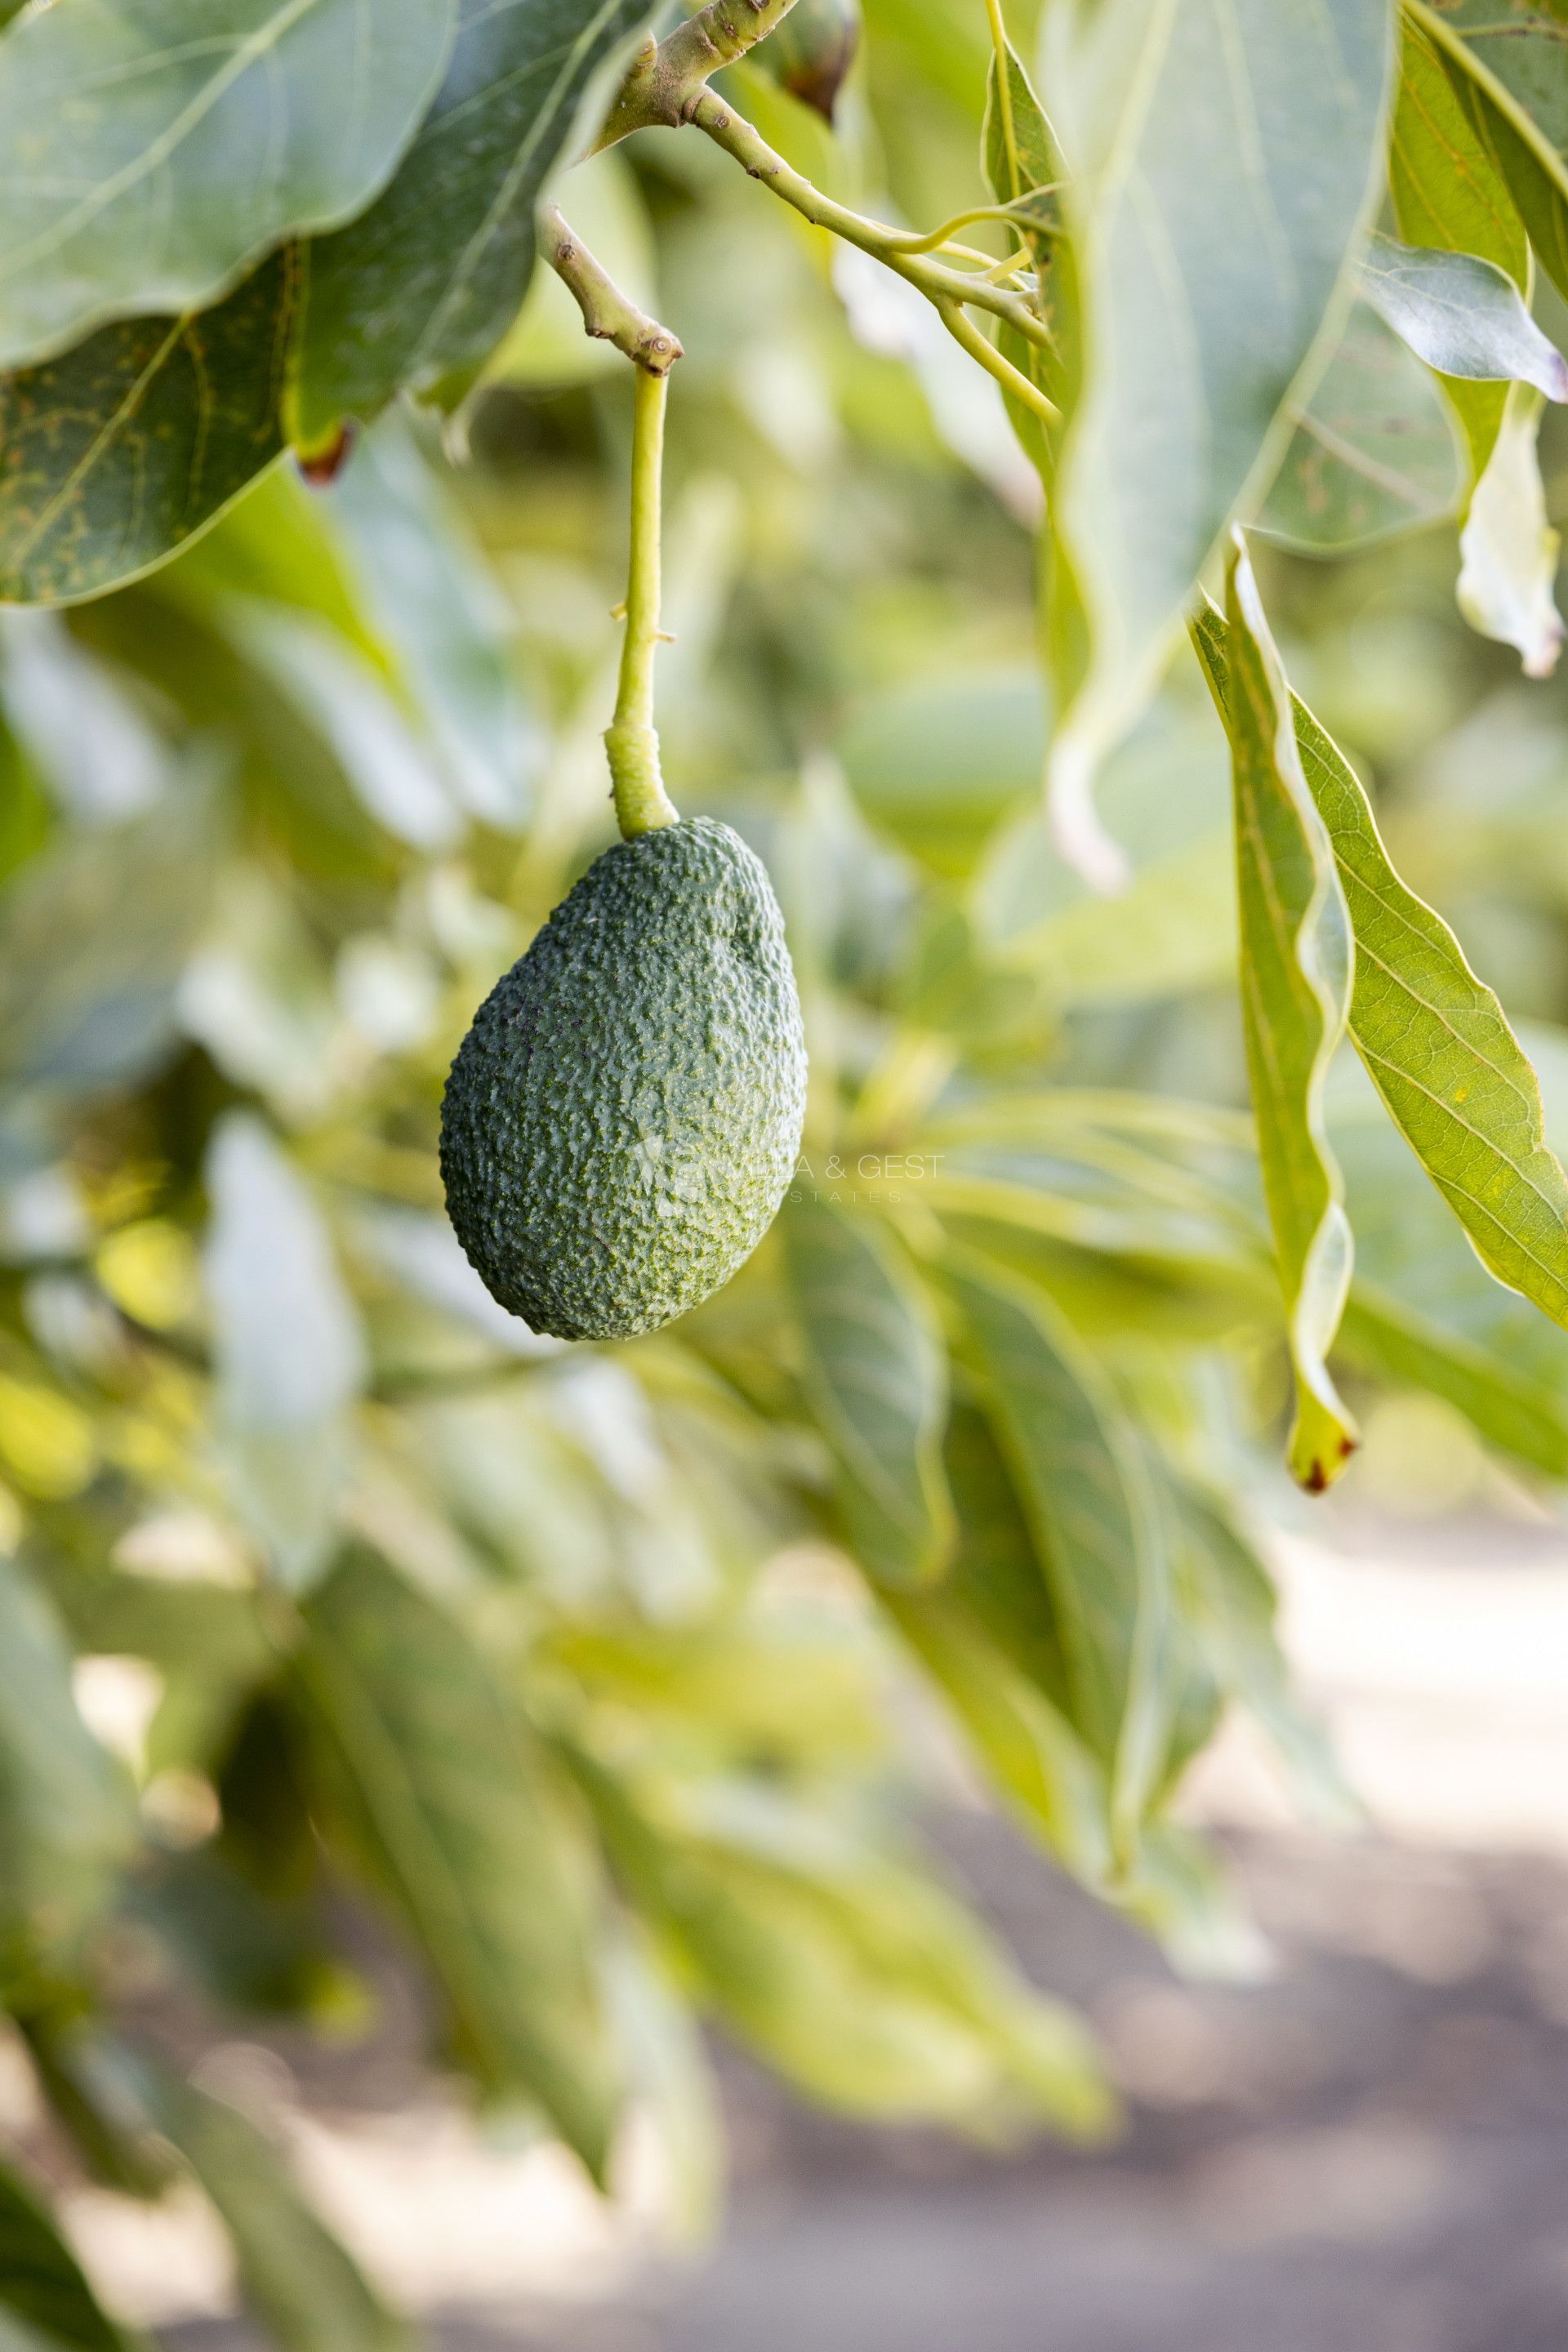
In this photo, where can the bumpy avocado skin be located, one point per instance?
(623, 1118)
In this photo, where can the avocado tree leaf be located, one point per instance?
(455, 1807)
(1372, 451)
(1506, 70)
(1447, 194)
(422, 285)
(148, 170)
(1508, 550)
(301, 2282)
(1423, 1310)
(1260, 127)
(1230, 1603)
(1295, 964)
(1022, 163)
(1035, 1757)
(94, 936)
(66, 1813)
(286, 1346)
(115, 454)
(46, 2303)
(876, 1375)
(1435, 1040)
(1461, 314)
(1092, 1515)
(437, 604)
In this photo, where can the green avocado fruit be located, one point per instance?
(624, 1117)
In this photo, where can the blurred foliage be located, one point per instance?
(607, 1680)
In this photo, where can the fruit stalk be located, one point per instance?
(642, 804)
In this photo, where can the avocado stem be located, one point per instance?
(642, 804)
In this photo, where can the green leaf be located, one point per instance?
(1094, 1522)
(876, 1375)
(1424, 1313)
(1506, 72)
(1173, 121)
(114, 455)
(309, 2292)
(1461, 314)
(457, 1810)
(1229, 1600)
(1295, 991)
(436, 601)
(422, 285)
(94, 936)
(67, 1818)
(1022, 163)
(147, 170)
(1447, 193)
(42, 2289)
(1031, 1752)
(1372, 452)
(287, 1350)
(1440, 1052)
(1508, 551)
(859, 1980)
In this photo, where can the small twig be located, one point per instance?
(1011, 379)
(751, 150)
(667, 76)
(607, 314)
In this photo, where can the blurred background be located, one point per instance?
(271, 823)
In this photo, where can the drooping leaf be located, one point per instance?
(147, 170)
(1448, 193)
(1093, 1518)
(454, 1806)
(1424, 1313)
(43, 2297)
(1435, 1039)
(437, 604)
(92, 743)
(286, 1346)
(1230, 1599)
(877, 1377)
(1023, 162)
(1506, 71)
(1461, 314)
(1295, 966)
(339, 693)
(1508, 551)
(1032, 1753)
(422, 285)
(67, 1818)
(859, 1980)
(114, 453)
(1172, 119)
(1372, 451)
(93, 938)
(297, 2277)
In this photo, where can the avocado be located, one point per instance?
(623, 1118)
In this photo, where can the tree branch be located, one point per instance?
(607, 314)
(667, 76)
